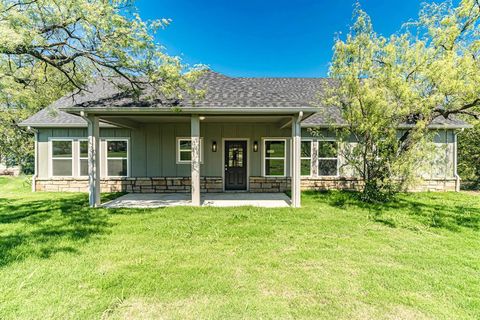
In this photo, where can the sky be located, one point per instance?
(269, 38)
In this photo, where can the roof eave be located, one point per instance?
(441, 126)
(435, 126)
(60, 125)
(190, 110)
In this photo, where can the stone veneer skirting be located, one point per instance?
(215, 184)
(135, 185)
(354, 184)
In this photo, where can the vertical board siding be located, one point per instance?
(138, 157)
(153, 147)
(167, 145)
(153, 139)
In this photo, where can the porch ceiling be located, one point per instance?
(138, 120)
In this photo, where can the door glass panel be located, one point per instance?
(235, 157)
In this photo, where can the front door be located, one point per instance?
(236, 165)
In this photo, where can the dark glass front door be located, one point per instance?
(235, 165)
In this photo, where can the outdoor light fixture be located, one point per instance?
(214, 146)
(201, 118)
(255, 146)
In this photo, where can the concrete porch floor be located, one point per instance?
(227, 199)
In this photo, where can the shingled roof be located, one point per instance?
(221, 92)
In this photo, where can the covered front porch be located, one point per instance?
(225, 199)
(209, 153)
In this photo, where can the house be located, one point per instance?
(246, 134)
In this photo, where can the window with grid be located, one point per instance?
(327, 158)
(117, 158)
(306, 158)
(62, 158)
(83, 157)
(184, 150)
(274, 157)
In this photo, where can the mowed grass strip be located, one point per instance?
(415, 258)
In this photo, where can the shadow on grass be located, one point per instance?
(440, 210)
(41, 228)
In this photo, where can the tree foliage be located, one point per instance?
(390, 89)
(469, 156)
(51, 47)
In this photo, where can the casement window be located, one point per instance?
(306, 158)
(184, 150)
(327, 158)
(62, 158)
(117, 158)
(83, 157)
(274, 157)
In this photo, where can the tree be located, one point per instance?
(469, 156)
(52, 47)
(389, 90)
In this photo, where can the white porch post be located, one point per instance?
(93, 161)
(195, 136)
(295, 158)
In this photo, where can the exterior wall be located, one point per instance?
(440, 166)
(153, 166)
(153, 147)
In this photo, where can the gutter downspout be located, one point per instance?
(455, 161)
(35, 172)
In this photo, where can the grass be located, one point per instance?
(415, 258)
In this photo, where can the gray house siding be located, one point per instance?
(153, 148)
(440, 165)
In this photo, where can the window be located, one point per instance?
(83, 157)
(117, 158)
(327, 158)
(62, 159)
(184, 150)
(306, 158)
(274, 156)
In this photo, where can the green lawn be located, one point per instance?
(417, 258)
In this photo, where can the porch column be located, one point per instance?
(93, 161)
(195, 136)
(295, 158)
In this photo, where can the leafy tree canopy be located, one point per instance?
(52, 47)
(430, 68)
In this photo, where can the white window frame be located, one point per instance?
(308, 158)
(177, 147)
(264, 158)
(326, 158)
(52, 158)
(115, 158)
(80, 158)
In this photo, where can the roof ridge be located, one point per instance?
(290, 78)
